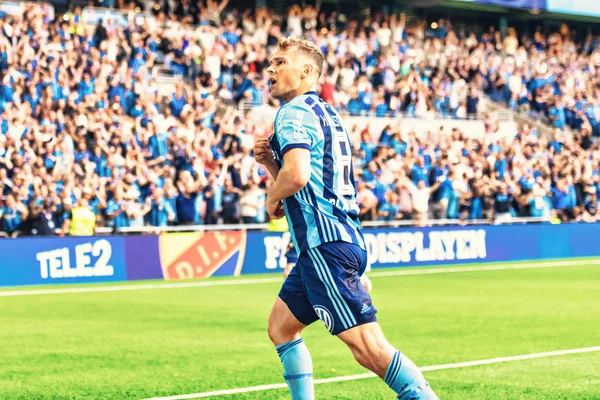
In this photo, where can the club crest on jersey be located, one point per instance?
(325, 316)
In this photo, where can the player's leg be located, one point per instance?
(290, 314)
(345, 307)
(372, 350)
(283, 326)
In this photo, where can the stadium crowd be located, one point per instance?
(84, 123)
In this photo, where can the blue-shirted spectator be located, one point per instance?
(159, 212)
(188, 202)
(116, 211)
(86, 86)
(420, 172)
(591, 205)
(101, 163)
(557, 114)
(231, 35)
(12, 214)
(539, 203)
(137, 62)
(177, 102)
(158, 149)
(230, 204)
(385, 136)
(503, 204)
(558, 199)
(501, 166)
(472, 101)
(213, 194)
(389, 210)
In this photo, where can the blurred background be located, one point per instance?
(146, 111)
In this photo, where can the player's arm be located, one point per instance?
(293, 176)
(296, 133)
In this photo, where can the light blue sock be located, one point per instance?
(297, 369)
(406, 379)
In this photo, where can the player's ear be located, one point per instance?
(307, 70)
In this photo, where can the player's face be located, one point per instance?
(284, 73)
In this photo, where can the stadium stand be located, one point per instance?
(151, 116)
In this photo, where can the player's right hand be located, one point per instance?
(262, 151)
(275, 210)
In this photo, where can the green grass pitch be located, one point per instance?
(149, 343)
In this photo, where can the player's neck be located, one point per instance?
(299, 92)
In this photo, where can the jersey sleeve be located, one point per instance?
(296, 127)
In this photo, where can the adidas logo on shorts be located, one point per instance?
(365, 308)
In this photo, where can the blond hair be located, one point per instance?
(307, 48)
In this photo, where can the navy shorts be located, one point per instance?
(325, 284)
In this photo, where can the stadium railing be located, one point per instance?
(520, 118)
(165, 80)
(17, 8)
(427, 125)
(264, 227)
(113, 17)
(499, 114)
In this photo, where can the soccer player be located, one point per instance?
(310, 158)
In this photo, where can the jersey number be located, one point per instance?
(344, 158)
(345, 186)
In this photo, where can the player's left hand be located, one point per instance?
(274, 209)
(262, 152)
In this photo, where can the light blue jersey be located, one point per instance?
(325, 210)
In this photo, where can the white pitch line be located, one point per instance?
(503, 267)
(372, 375)
(406, 272)
(147, 286)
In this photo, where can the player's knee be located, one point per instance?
(280, 330)
(273, 333)
(274, 328)
(280, 333)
